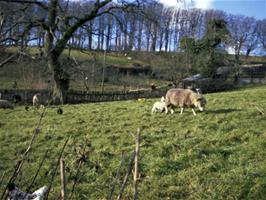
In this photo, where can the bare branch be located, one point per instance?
(57, 164)
(129, 168)
(136, 167)
(63, 179)
(93, 14)
(8, 60)
(116, 177)
(21, 162)
(39, 3)
(37, 172)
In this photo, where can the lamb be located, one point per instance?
(185, 98)
(40, 100)
(5, 104)
(160, 106)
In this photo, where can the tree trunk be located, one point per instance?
(89, 31)
(148, 42)
(102, 39)
(61, 80)
(154, 38)
(132, 34)
(161, 41)
(248, 52)
(153, 44)
(117, 40)
(108, 35)
(166, 40)
(140, 35)
(125, 38)
(90, 41)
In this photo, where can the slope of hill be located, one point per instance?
(219, 154)
(87, 69)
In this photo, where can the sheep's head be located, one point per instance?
(200, 102)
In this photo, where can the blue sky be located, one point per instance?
(252, 8)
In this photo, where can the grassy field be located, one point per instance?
(218, 154)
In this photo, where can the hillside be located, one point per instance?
(122, 71)
(219, 154)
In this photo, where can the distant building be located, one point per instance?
(226, 76)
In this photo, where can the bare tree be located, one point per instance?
(252, 40)
(140, 34)
(262, 32)
(241, 28)
(59, 27)
(109, 32)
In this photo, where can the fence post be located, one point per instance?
(136, 167)
(63, 179)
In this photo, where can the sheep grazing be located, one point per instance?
(6, 104)
(40, 100)
(160, 106)
(185, 98)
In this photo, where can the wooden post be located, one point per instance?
(63, 179)
(56, 168)
(136, 167)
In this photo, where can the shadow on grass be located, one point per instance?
(220, 111)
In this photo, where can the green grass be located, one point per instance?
(218, 154)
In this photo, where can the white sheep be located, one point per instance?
(160, 106)
(40, 100)
(185, 98)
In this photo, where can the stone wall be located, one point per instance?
(74, 97)
(20, 96)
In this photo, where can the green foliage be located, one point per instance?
(216, 33)
(188, 44)
(203, 54)
(218, 154)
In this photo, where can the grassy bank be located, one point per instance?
(219, 154)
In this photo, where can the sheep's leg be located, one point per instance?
(181, 112)
(172, 111)
(194, 113)
(152, 110)
(166, 109)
